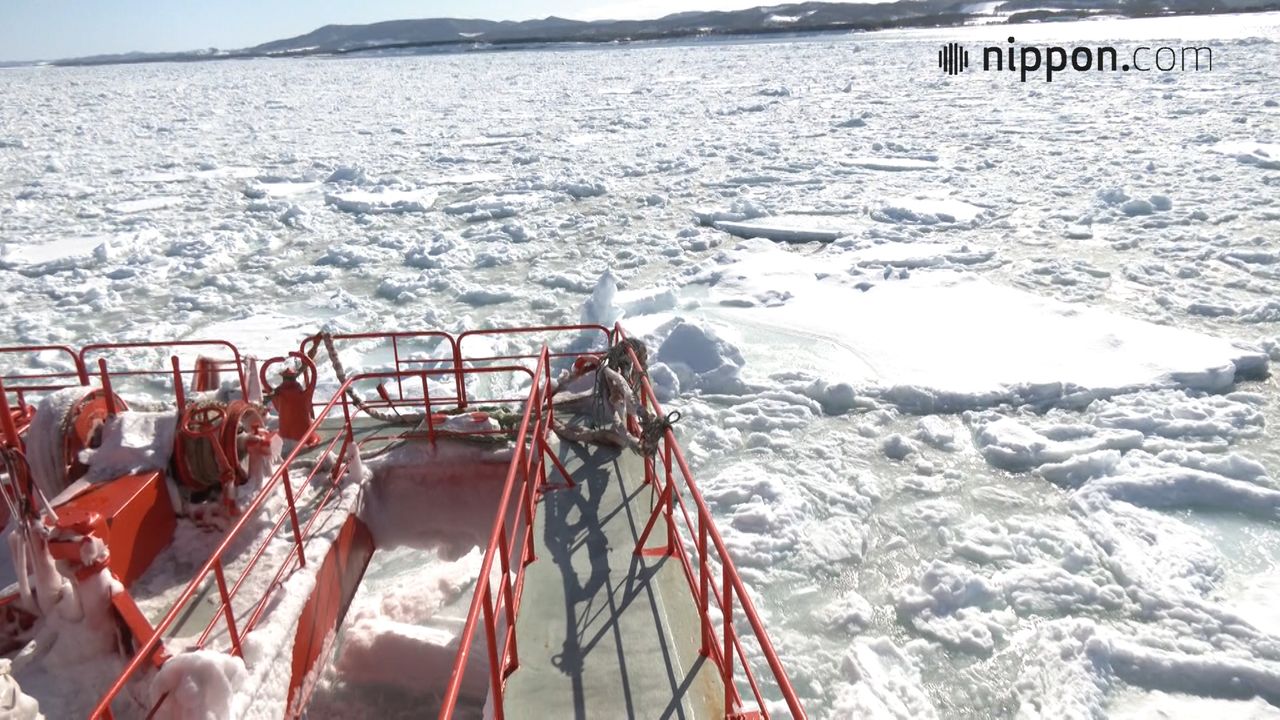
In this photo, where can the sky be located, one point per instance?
(53, 29)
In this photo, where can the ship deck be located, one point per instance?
(602, 632)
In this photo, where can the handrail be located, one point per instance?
(703, 585)
(17, 416)
(19, 383)
(168, 372)
(533, 330)
(215, 566)
(503, 660)
(310, 346)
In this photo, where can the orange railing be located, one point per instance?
(516, 509)
(729, 592)
(279, 482)
(511, 544)
(312, 345)
(456, 350)
(82, 368)
(21, 384)
(101, 352)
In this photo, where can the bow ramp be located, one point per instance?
(604, 588)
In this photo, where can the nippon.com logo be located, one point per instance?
(1029, 61)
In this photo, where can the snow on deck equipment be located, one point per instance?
(282, 542)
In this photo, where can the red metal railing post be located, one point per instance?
(81, 369)
(226, 607)
(704, 582)
(540, 437)
(537, 440)
(106, 387)
(457, 374)
(395, 352)
(729, 690)
(426, 405)
(244, 385)
(6, 417)
(542, 463)
(527, 500)
(547, 401)
(509, 599)
(340, 461)
(293, 514)
(179, 392)
(495, 673)
(671, 496)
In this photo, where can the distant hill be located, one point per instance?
(335, 37)
(452, 34)
(800, 17)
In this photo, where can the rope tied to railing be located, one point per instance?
(653, 429)
(394, 417)
(506, 420)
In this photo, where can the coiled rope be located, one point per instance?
(200, 457)
(618, 382)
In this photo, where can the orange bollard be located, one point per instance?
(292, 399)
(293, 405)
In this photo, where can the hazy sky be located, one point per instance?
(51, 29)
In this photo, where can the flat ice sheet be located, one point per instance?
(794, 228)
(64, 250)
(384, 201)
(948, 337)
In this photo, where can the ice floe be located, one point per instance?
(141, 205)
(793, 228)
(926, 210)
(944, 341)
(892, 164)
(382, 201)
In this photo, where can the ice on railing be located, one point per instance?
(258, 686)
